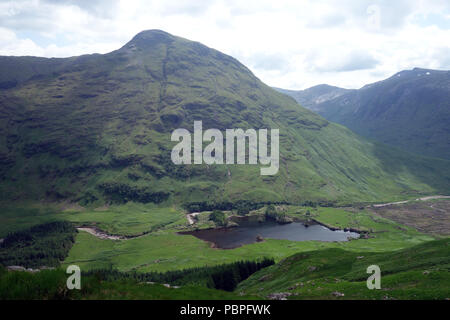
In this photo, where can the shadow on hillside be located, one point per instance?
(434, 172)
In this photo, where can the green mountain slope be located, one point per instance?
(420, 272)
(96, 128)
(410, 110)
(51, 285)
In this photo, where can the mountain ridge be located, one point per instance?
(311, 97)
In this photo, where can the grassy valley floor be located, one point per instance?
(165, 249)
(311, 269)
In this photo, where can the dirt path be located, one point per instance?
(406, 201)
(100, 234)
(433, 197)
(191, 217)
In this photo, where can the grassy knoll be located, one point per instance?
(419, 272)
(129, 219)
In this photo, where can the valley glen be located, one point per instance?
(258, 151)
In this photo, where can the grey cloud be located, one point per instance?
(392, 14)
(357, 61)
(41, 16)
(353, 61)
(25, 17)
(100, 8)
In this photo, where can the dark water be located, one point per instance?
(246, 234)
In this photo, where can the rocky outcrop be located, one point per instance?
(31, 270)
(279, 296)
(337, 294)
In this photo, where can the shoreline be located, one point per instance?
(214, 245)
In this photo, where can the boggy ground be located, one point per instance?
(431, 217)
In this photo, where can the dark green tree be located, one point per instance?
(218, 217)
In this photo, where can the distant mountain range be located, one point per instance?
(410, 110)
(312, 97)
(96, 129)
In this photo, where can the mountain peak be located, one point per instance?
(149, 38)
(152, 33)
(418, 71)
(322, 86)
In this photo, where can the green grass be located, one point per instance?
(164, 249)
(419, 272)
(129, 219)
(361, 220)
(16, 217)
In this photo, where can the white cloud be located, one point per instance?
(342, 60)
(286, 43)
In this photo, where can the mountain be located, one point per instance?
(96, 129)
(410, 110)
(311, 97)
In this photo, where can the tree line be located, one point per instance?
(42, 245)
(243, 207)
(223, 277)
(121, 193)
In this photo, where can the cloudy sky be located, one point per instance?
(290, 44)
